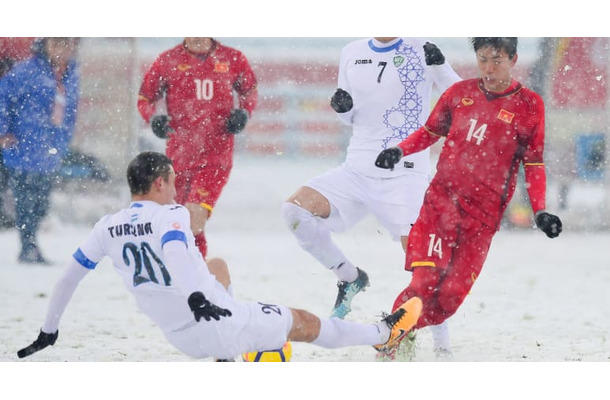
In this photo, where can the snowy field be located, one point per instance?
(537, 300)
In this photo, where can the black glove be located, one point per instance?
(237, 121)
(201, 307)
(548, 223)
(341, 101)
(388, 158)
(160, 126)
(43, 340)
(433, 54)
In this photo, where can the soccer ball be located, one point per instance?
(279, 355)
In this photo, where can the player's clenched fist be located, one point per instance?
(433, 54)
(160, 126)
(549, 224)
(341, 101)
(237, 121)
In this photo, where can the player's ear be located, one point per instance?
(158, 182)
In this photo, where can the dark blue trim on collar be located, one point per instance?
(384, 49)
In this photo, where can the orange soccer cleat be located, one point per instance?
(400, 322)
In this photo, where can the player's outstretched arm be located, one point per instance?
(62, 293)
(535, 178)
(44, 340)
(417, 141)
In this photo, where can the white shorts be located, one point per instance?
(395, 202)
(251, 327)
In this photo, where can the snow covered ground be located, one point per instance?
(537, 300)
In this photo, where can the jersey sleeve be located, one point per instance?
(86, 257)
(533, 160)
(91, 251)
(439, 120)
(419, 140)
(61, 295)
(187, 276)
(175, 225)
(151, 90)
(535, 148)
(246, 86)
(189, 273)
(443, 76)
(535, 179)
(437, 126)
(343, 83)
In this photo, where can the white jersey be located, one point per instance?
(133, 239)
(391, 87)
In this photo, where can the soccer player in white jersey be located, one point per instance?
(385, 88)
(153, 249)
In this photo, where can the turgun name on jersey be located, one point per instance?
(130, 229)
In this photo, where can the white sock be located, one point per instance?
(440, 336)
(335, 332)
(346, 271)
(315, 239)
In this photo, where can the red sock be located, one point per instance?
(202, 244)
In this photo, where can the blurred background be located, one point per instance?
(293, 119)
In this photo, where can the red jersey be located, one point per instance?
(199, 92)
(486, 135)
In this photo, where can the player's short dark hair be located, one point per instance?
(508, 44)
(145, 168)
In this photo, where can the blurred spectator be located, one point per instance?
(12, 50)
(199, 79)
(38, 106)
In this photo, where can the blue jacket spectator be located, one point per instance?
(27, 98)
(38, 106)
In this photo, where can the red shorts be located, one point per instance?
(446, 250)
(201, 186)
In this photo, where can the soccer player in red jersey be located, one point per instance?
(491, 125)
(198, 79)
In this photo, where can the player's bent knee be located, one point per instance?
(303, 226)
(294, 215)
(310, 201)
(305, 326)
